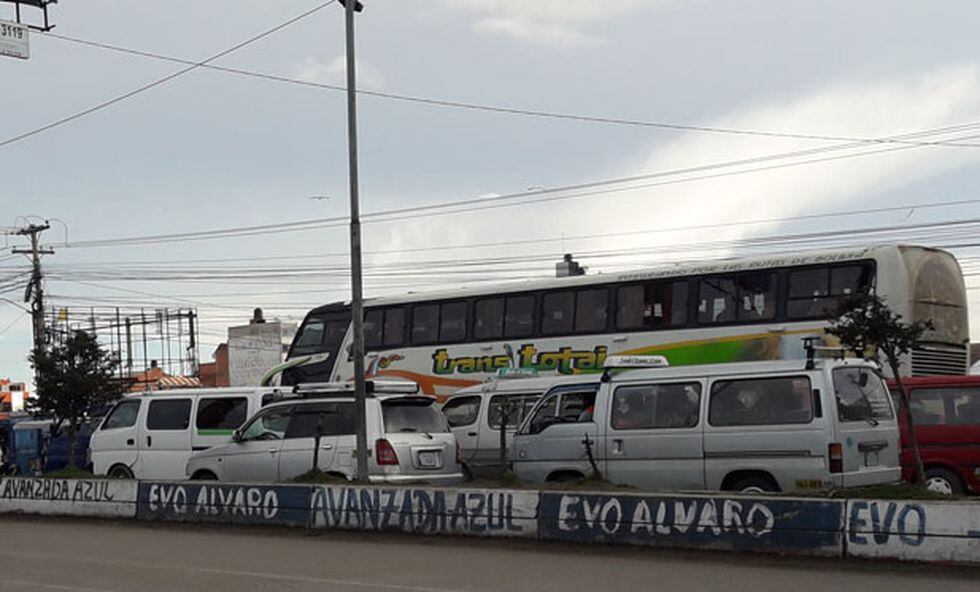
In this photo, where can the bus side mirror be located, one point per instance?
(863, 379)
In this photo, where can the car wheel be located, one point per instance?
(754, 484)
(943, 481)
(204, 476)
(120, 472)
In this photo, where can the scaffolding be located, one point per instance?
(138, 338)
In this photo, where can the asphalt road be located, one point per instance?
(88, 556)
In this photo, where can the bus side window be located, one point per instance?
(717, 300)
(425, 323)
(558, 311)
(519, 318)
(488, 319)
(394, 327)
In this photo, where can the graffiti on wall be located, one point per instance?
(425, 510)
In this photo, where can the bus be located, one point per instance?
(735, 310)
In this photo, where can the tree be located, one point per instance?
(75, 379)
(866, 324)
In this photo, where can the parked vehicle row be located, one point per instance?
(755, 426)
(266, 435)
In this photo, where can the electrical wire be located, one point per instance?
(504, 110)
(141, 89)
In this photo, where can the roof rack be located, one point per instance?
(631, 362)
(812, 349)
(512, 373)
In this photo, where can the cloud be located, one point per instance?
(943, 97)
(334, 71)
(553, 23)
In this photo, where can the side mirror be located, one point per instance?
(236, 436)
(863, 379)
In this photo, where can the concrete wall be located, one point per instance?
(884, 529)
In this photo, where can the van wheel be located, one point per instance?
(754, 484)
(943, 481)
(565, 477)
(120, 472)
(204, 476)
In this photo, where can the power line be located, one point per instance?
(526, 197)
(508, 110)
(160, 81)
(456, 247)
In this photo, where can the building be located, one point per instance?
(155, 379)
(215, 373)
(256, 348)
(12, 396)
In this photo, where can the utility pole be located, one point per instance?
(357, 296)
(35, 288)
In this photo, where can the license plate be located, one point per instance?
(429, 460)
(871, 459)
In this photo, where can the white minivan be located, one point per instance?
(475, 414)
(151, 435)
(753, 427)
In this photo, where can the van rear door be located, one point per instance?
(866, 427)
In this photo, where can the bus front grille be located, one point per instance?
(935, 360)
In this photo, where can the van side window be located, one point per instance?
(170, 414)
(576, 407)
(331, 419)
(545, 415)
(655, 406)
(761, 401)
(514, 406)
(461, 411)
(946, 406)
(123, 416)
(222, 414)
(653, 305)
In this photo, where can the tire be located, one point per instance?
(120, 472)
(754, 484)
(204, 476)
(944, 481)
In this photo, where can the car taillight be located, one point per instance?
(384, 454)
(835, 454)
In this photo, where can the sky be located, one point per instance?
(782, 87)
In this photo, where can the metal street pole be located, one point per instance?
(357, 296)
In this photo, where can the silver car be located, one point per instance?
(408, 437)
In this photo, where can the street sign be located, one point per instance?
(14, 40)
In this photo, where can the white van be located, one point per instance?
(151, 435)
(475, 413)
(753, 427)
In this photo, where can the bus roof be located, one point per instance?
(666, 271)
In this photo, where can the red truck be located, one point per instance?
(946, 412)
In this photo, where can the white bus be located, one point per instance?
(721, 311)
